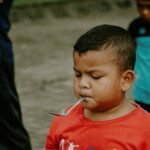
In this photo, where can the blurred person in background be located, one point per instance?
(140, 31)
(13, 135)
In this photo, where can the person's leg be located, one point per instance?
(13, 135)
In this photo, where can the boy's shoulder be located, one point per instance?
(145, 124)
(144, 117)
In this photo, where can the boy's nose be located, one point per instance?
(84, 82)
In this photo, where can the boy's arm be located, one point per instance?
(51, 142)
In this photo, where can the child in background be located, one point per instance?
(140, 31)
(105, 120)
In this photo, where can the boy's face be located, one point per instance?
(144, 9)
(97, 79)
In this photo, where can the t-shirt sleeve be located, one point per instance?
(51, 140)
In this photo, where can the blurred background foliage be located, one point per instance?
(35, 9)
(34, 2)
(19, 3)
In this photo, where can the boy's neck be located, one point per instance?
(121, 110)
(145, 19)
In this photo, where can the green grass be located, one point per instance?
(34, 2)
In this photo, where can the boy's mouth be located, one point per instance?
(86, 98)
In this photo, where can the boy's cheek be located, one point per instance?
(76, 92)
(76, 88)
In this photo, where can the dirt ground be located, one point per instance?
(43, 57)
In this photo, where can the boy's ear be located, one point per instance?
(127, 80)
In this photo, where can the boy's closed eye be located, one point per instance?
(95, 77)
(77, 74)
(93, 74)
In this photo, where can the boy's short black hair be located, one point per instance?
(103, 36)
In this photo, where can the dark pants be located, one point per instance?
(144, 106)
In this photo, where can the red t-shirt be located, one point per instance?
(75, 132)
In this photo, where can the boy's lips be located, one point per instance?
(87, 98)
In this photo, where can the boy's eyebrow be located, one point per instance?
(90, 71)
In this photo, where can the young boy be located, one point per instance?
(140, 30)
(105, 120)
